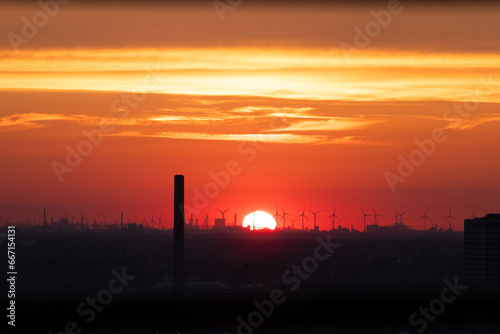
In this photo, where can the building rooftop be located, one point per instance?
(489, 216)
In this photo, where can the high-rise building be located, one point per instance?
(482, 254)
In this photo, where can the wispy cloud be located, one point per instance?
(272, 110)
(184, 123)
(467, 124)
(284, 138)
(37, 120)
(330, 124)
(233, 58)
(185, 119)
(34, 120)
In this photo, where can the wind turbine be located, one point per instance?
(450, 217)
(315, 213)
(253, 218)
(375, 215)
(473, 214)
(425, 219)
(395, 218)
(303, 215)
(401, 217)
(284, 216)
(223, 212)
(364, 220)
(276, 216)
(333, 216)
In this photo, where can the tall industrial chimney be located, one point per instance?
(178, 236)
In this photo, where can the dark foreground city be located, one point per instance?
(247, 282)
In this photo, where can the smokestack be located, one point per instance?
(178, 236)
(235, 219)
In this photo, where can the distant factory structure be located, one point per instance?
(482, 254)
(220, 223)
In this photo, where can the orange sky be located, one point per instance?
(268, 91)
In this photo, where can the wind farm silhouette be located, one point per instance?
(308, 222)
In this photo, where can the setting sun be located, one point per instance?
(259, 220)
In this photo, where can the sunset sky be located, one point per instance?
(289, 99)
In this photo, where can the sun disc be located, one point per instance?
(259, 220)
